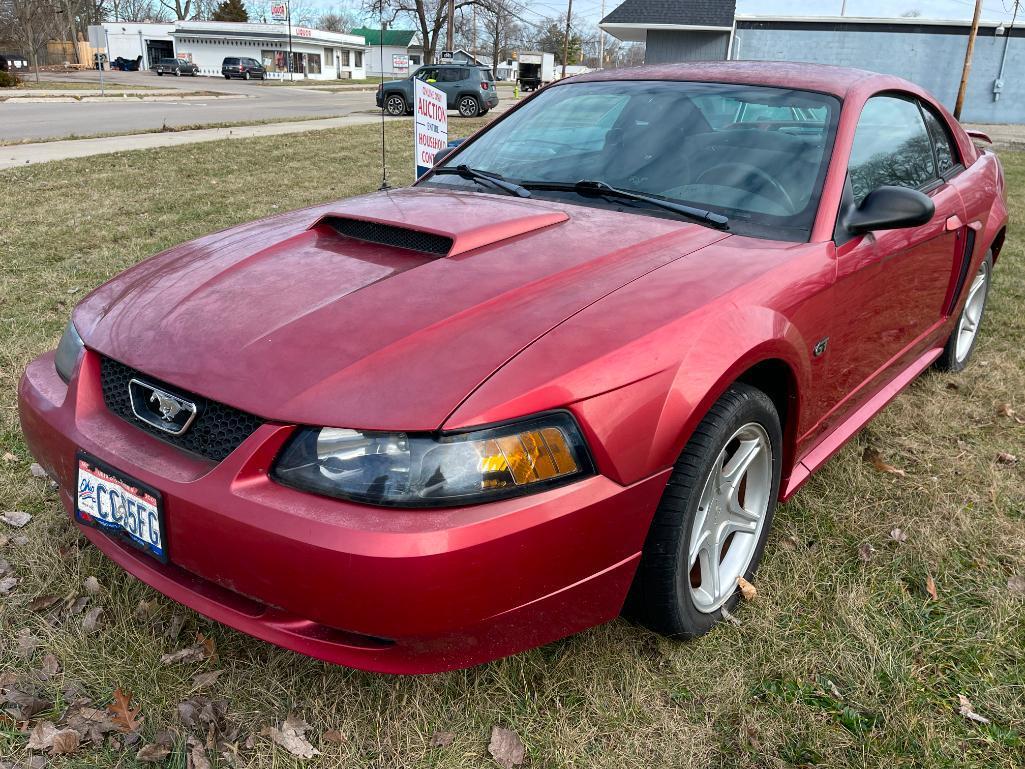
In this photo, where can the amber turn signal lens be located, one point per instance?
(527, 457)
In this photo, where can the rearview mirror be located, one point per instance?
(890, 208)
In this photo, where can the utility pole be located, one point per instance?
(288, 13)
(601, 39)
(473, 32)
(565, 42)
(451, 31)
(968, 60)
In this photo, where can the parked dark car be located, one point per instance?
(127, 65)
(13, 62)
(243, 67)
(470, 90)
(176, 67)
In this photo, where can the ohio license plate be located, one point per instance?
(120, 506)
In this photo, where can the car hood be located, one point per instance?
(292, 320)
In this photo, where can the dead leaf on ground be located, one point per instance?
(15, 518)
(145, 609)
(506, 747)
(41, 736)
(27, 643)
(966, 709)
(292, 737)
(898, 534)
(9, 457)
(65, 741)
(123, 714)
(42, 602)
(7, 584)
(5, 566)
(92, 586)
(91, 722)
(174, 626)
(1005, 410)
(333, 737)
(728, 617)
(203, 680)
(51, 665)
(36, 470)
(1016, 584)
(197, 755)
(747, 590)
(91, 620)
(442, 739)
(874, 458)
(152, 753)
(930, 587)
(21, 704)
(1004, 458)
(199, 651)
(866, 551)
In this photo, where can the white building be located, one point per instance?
(400, 55)
(314, 53)
(131, 40)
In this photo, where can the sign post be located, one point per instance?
(430, 124)
(98, 42)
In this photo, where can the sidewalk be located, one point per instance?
(18, 155)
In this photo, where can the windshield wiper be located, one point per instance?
(493, 180)
(595, 187)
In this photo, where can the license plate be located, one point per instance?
(120, 506)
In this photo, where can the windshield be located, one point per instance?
(755, 154)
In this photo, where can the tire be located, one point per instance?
(484, 111)
(177, 73)
(395, 104)
(160, 74)
(246, 76)
(227, 77)
(469, 106)
(961, 342)
(664, 596)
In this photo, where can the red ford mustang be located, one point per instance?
(571, 370)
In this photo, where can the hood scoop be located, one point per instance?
(412, 233)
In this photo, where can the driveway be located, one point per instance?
(266, 101)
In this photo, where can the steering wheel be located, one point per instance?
(745, 170)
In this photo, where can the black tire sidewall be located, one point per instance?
(948, 359)
(476, 107)
(667, 606)
(387, 105)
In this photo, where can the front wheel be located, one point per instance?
(395, 105)
(160, 74)
(712, 522)
(469, 106)
(961, 342)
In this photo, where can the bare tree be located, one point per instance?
(500, 32)
(429, 16)
(30, 24)
(179, 9)
(341, 19)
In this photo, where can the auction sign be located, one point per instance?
(430, 116)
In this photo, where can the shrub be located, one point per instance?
(8, 79)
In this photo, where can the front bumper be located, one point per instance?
(400, 591)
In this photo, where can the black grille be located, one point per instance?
(216, 431)
(388, 235)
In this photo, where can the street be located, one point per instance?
(266, 101)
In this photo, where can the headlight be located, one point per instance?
(68, 352)
(426, 470)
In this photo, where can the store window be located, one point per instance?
(359, 59)
(275, 61)
(313, 63)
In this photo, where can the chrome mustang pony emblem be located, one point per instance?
(168, 405)
(158, 408)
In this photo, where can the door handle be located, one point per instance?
(954, 223)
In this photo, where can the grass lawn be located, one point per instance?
(839, 662)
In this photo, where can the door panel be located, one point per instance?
(892, 285)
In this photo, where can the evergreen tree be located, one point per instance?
(230, 10)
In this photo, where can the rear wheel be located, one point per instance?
(711, 524)
(160, 74)
(469, 106)
(961, 343)
(177, 73)
(247, 76)
(395, 105)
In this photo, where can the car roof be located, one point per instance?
(824, 78)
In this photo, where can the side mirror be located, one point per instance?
(890, 208)
(442, 154)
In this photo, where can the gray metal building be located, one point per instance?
(927, 52)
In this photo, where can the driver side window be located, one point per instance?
(427, 74)
(891, 147)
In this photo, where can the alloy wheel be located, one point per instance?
(468, 107)
(395, 105)
(728, 523)
(971, 315)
